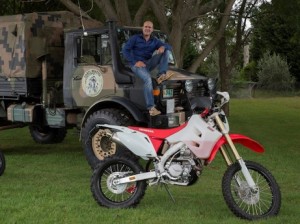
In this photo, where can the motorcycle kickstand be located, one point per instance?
(169, 193)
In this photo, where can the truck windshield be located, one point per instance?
(125, 33)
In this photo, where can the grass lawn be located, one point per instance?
(51, 183)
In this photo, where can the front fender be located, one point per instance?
(115, 101)
(236, 138)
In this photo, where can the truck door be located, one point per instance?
(93, 77)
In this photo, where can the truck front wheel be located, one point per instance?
(47, 135)
(97, 145)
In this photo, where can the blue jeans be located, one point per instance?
(161, 62)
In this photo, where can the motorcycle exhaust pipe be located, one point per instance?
(114, 137)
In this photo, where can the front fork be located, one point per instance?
(227, 159)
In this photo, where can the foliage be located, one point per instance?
(274, 33)
(210, 67)
(249, 72)
(290, 14)
(190, 54)
(274, 73)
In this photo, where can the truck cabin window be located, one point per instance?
(126, 33)
(93, 49)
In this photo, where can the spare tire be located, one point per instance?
(97, 146)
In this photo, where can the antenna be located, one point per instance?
(80, 12)
(83, 28)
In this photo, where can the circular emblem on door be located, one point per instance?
(92, 82)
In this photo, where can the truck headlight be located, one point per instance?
(211, 82)
(189, 86)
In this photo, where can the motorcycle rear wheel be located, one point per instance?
(244, 202)
(106, 193)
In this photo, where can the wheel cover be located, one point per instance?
(247, 194)
(102, 145)
(115, 188)
(113, 191)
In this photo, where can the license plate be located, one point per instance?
(167, 93)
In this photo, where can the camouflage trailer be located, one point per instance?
(58, 72)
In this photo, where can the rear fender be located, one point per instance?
(236, 138)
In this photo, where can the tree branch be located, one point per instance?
(123, 12)
(74, 8)
(138, 19)
(107, 9)
(159, 11)
(216, 38)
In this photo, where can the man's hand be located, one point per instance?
(161, 50)
(140, 64)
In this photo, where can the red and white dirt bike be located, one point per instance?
(178, 156)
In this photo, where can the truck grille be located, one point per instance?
(199, 89)
(180, 95)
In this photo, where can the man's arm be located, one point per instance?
(161, 47)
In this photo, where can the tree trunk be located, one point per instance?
(123, 12)
(224, 72)
(216, 38)
(138, 18)
(74, 8)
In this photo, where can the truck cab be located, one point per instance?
(101, 81)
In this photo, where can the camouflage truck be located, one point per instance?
(58, 72)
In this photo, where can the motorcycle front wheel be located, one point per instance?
(111, 195)
(2, 163)
(246, 203)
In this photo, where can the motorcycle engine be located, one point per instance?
(175, 170)
(181, 168)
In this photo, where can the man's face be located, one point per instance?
(147, 28)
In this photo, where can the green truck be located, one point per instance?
(58, 71)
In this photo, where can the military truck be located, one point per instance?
(58, 71)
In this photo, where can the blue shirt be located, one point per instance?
(138, 49)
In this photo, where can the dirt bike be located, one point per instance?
(2, 163)
(178, 156)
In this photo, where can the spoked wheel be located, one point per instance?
(247, 203)
(110, 194)
(2, 163)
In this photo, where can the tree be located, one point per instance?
(231, 42)
(218, 34)
(290, 14)
(175, 18)
(276, 33)
(239, 32)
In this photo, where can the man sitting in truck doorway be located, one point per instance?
(139, 52)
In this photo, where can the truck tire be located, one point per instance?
(2, 163)
(47, 135)
(96, 144)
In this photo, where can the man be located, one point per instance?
(138, 51)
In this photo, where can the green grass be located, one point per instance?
(51, 183)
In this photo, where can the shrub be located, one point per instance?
(273, 73)
(249, 72)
